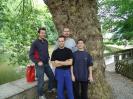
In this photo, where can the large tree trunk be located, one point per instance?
(81, 17)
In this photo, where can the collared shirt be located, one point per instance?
(69, 43)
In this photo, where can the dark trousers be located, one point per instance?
(80, 89)
(40, 70)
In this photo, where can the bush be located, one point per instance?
(8, 73)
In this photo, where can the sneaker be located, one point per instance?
(56, 97)
(52, 90)
(49, 91)
(42, 97)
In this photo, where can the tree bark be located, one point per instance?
(81, 17)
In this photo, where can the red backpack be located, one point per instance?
(30, 73)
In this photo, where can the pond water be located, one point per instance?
(110, 63)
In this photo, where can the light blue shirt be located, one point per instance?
(69, 43)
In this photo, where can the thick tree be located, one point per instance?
(81, 17)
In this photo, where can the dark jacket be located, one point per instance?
(39, 51)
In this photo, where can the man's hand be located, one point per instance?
(57, 63)
(65, 63)
(40, 63)
(73, 78)
(90, 79)
(90, 74)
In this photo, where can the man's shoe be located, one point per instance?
(42, 97)
(56, 97)
(49, 91)
(52, 90)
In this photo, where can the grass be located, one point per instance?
(8, 72)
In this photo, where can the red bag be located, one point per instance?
(30, 73)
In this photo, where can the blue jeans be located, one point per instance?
(64, 81)
(40, 70)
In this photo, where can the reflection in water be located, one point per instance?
(109, 59)
(109, 62)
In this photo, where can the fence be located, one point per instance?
(124, 63)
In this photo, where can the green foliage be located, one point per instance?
(119, 17)
(119, 43)
(109, 42)
(131, 42)
(9, 72)
(19, 22)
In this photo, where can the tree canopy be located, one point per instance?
(116, 16)
(19, 22)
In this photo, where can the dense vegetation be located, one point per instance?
(19, 21)
(116, 18)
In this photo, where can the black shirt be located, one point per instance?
(62, 55)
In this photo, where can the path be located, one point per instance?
(122, 87)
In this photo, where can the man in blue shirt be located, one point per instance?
(82, 70)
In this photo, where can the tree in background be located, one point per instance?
(81, 17)
(19, 22)
(116, 16)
